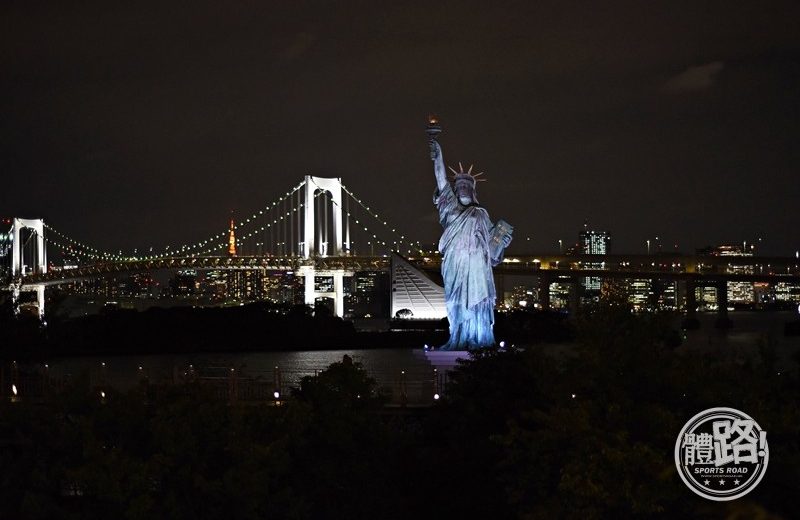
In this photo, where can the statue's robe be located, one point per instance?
(467, 272)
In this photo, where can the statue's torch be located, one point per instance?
(433, 130)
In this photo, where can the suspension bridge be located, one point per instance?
(320, 228)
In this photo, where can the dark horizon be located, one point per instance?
(138, 126)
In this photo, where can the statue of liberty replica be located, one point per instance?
(470, 246)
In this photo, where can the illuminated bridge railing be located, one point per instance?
(730, 268)
(268, 263)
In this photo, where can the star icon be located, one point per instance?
(721, 482)
(736, 482)
(706, 482)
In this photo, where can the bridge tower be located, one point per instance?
(19, 269)
(311, 249)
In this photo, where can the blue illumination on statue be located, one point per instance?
(470, 246)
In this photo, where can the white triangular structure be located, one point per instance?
(413, 290)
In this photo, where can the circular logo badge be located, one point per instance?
(721, 453)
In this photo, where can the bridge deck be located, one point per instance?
(676, 267)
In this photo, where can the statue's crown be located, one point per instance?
(461, 175)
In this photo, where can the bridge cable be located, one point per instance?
(276, 223)
(185, 249)
(402, 237)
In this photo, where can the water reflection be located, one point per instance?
(394, 369)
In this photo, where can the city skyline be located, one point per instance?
(138, 129)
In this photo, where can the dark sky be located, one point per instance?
(131, 124)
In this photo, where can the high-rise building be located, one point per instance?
(739, 293)
(139, 285)
(593, 243)
(666, 293)
(523, 296)
(559, 295)
(214, 286)
(283, 287)
(184, 283)
(367, 295)
(245, 285)
(785, 292)
(640, 294)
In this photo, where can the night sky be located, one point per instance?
(137, 124)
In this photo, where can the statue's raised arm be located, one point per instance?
(436, 154)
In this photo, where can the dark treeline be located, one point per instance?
(520, 433)
(256, 326)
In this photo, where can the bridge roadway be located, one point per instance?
(691, 271)
(700, 269)
(208, 263)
